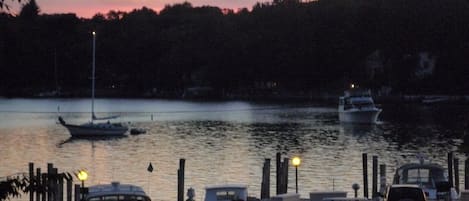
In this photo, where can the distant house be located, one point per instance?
(374, 64)
(425, 65)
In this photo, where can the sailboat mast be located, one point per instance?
(93, 77)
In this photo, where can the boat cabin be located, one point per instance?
(116, 192)
(432, 178)
(228, 192)
(356, 99)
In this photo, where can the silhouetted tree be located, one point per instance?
(29, 10)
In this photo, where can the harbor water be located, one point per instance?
(225, 142)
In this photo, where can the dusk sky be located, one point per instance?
(87, 8)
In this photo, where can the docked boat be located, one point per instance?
(226, 192)
(430, 177)
(116, 191)
(95, 128)
(357, 106)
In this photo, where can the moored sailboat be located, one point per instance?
(93, 128)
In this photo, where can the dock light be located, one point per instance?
(296, 161)
(352, 86)
(94, 33)
(82, 176)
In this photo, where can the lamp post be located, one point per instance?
(82, 176)
(296, 161)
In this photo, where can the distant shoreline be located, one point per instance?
(299, 96)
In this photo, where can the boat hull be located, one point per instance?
(94, 131)
(360, 116)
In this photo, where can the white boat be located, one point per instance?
(92, 128)
(431, 177)
(357, 106)
(226, 192)
(116, 191)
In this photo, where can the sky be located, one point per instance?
(87, 8)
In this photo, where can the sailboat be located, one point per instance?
(92, 128)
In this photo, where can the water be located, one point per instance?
(224, 142)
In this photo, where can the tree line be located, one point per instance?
(278, 47)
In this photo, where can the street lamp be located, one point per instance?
(296, 161)
(82, 176)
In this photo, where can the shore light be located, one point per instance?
(82, 176)
(296, 161)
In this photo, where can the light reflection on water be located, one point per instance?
(222, 142)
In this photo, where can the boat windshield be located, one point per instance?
(119, 198)
(228, 195)
(424, 177)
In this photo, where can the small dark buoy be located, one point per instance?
(136, 131)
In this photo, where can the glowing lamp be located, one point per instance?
(296, 161)
(82, 175)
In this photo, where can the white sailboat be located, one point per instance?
(93, 128)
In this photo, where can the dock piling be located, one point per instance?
(456, 174)
(285, 175)
(374, 183)
(31, 179)
(38, 183)
(450, 169)
(265, 185)
(278, 173)
(365, 175)
(466, 174)
(382, 180)
(181, 179)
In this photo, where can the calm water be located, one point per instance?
(224, 142)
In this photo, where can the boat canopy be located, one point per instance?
(425, 175)
(229, 192)
(116, 192)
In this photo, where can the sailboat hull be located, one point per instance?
(95, 130)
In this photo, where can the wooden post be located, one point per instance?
(265, 185)
(181, 179)
(456, 174)
(49, 181)
(44, 185)
(54, 182)
(31, 179)
(285, 174)
(382, 180)
(38, 183)
(374, 180)
(365, 175)
(466, 174)
(450, 169)
(69, 187)
(278, 171)
(61, 187)
(77, 192)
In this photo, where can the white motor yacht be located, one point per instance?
(357, 106)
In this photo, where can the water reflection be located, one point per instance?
(89, 138)
(227, 142)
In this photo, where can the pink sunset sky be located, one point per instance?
(87, 8)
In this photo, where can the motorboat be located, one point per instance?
(357, 106)
(430, 177)
(226, 192)
(94, 128)
(116, 191)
